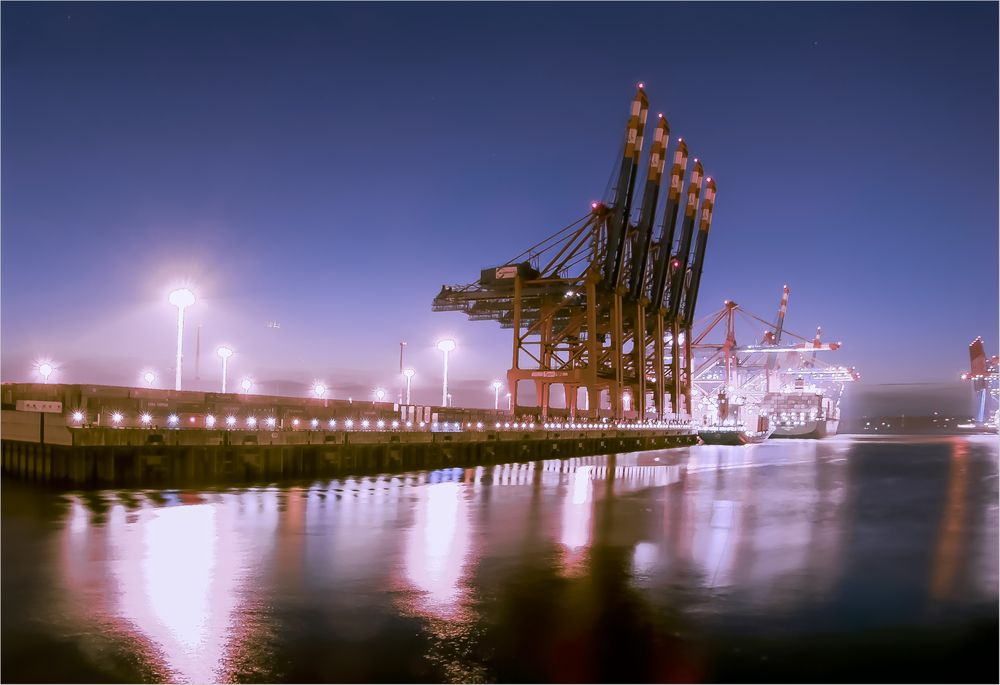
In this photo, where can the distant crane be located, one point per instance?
(984, 374)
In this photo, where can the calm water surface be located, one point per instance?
(850, 558)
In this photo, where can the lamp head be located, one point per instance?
(181, 298)
(224, 352)
(446, 345)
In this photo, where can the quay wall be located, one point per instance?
(109, 457)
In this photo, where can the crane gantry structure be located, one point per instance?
(594, 305)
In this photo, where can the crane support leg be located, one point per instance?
(658, 364)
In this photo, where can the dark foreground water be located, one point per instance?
(869, 559)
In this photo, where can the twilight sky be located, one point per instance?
(329, 166)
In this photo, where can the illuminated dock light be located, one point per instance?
(319, 389)
(146, 419)
(252, 421)
(349, 423)
(173, 420)
(380, 424)
(149, 378)
(332, 423)
(45, 370)
(117, 417)
(446, 346)
(230, 421)
(314, 423)
(210, 421)
(78, 416)
(182, 298)
(365, 424)
(224, 353)
(379, 394)
(246, 384)
(271, 421)
(408, 374)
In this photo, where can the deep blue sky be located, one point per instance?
(329, 166)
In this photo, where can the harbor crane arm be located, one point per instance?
(684, 246)
(704, 223)
(622, 205)
(644, 229)
(669, 220)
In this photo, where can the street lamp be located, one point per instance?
(319, 389)
(150, 378)
(182, 298)
(246, 384)
(496, 395)
(508, 402)
(402, 344)
(408, 373)
(379, 394)
(446, 346)
(45, 369)
(225, 353)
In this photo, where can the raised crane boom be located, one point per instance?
(704, 223)
(684, 246)
(622, 205)
(669, 220)
(644, 229)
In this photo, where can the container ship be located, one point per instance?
(775, 387)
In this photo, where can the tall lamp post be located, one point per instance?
(182, 298)
(225, 353)
(408, 374)
(402, 344)
(496, 395)
(446, 346)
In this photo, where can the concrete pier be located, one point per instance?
(109, 457)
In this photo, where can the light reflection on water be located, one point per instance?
(209, 586)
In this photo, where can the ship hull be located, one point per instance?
(715, 437)
(810, 430)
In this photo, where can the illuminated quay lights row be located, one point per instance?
(231, 421)
(184, 298)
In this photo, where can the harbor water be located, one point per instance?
(852, 558)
